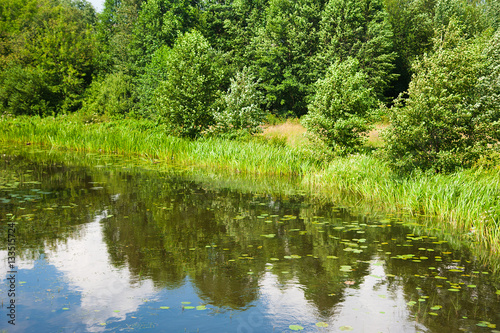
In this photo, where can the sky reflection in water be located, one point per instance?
(106, 249)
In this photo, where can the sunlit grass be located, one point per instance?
(467, 203)
(291, 131)
(142, 138)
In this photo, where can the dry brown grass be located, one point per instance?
(374, 138)
(291, 131)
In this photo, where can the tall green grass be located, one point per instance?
(467, 203)
(142, 138)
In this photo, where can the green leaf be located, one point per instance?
(296, 327)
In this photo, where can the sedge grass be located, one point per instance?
(133, 137)
(466, 203)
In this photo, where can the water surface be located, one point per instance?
(106, 246)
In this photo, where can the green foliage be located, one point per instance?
(188, 97)
(241, 111)
(153, 74)
(470, 15)
(358, 29)
(452, 114)
(283, 54)
(339, 109)
(161, 22)
(412, 23)
(25, 91)
(111, 96)
(52, 42)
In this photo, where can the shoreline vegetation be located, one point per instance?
(464, 203)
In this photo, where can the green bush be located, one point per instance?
(111, 96)
(241, 111)
(339, 109)
(188, 97)
(24, 91)
(452, 114)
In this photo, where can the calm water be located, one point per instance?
(108, 247)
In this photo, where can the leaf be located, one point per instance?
(189, 307)
(346, 328)
(321, 324)
(164, 307)
(296, 327)
(201, 307)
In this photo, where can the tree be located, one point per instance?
(241, 113)
(452, 114)
(284, 49)
(161, 22)
(358, 29)
(338, 111)
(49, 48)
(412, 23)
(187, 98)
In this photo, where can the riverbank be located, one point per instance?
(465, 203)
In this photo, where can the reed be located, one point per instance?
(142, 138)
(467, 203)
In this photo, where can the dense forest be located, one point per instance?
(429, 68)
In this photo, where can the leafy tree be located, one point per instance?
(159, 23)
(470, 15)
(115, 35)
(283, 54)
(241, 113)
(359, 29)
(412, 23)
(452, 114)
(53, 44)
(187, 98)
(338, 111)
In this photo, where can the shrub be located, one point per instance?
(339, 109)
(24, 91)
(241, 111)
(111, 96)
(452, 114)
(187, 98)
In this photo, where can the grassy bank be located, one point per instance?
(145, 139)
(467, 203)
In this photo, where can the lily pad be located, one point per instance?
(164, 307)
(296, 327)
(322, 324)
(346, 328)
